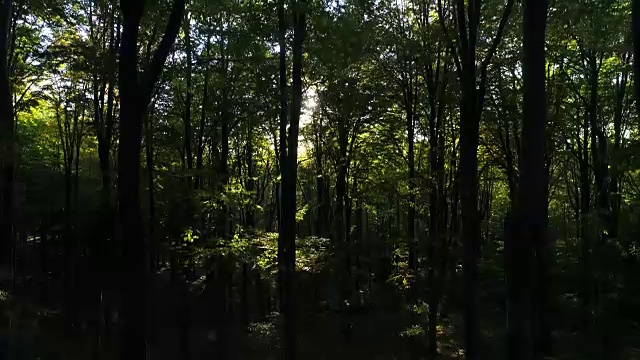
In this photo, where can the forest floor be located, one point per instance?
(33, 329)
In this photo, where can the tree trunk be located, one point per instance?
(251, 183)
(135, 97)
(527, 225)
(7, 141)
(187, 106)
(585, 237)
(289, 169)
(154, 244)
(411, 210)
(635, 31)
(203, 120)
(321, 190)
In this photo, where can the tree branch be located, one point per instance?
(162, 52)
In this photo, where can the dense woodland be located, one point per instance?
(319, 179)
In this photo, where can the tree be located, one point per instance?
(7, 142)
(471, 106)
(527, 225)
(288, 171)
(635, 31)
(135, 92)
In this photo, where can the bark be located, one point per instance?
(284, 228)
(223, 155)
(471, 106)
(203, 121)
(321, 191)
(585, 209)
(251, 183)
(615, 188)
(527, 226)
(288, 170)
(438, 247)
(411, 211)
(154, 245)
(135, 96)
(7, 140)
(635, 31)
(67, 130)
(340, 226)
(187, 106)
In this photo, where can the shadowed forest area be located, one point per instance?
(319, 179)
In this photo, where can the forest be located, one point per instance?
(319, 179)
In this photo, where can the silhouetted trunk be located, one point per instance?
(635, 32)
(438, 247)
(585, 236)
(7, 141)
(469, 132)
(154, 244)
(615, 188)
(251, 183)
(527, 226)
(340, 227)
(288, 170)
(467, 17)
(135, 96)
(411, 162)
(188, 150)
(505, 138)
(284, 238)
(203, 121)
(322, 193)
(67, 130)
(223, 159)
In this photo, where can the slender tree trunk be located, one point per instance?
(203, 121)
(7, 141)
(187, 106)
(154, 245)
(251, 183)
(635, 32)
(411, 211)
(289, 169)
(321, 191)
(585, 237)
(340, 227)
(284, 277)
(528, 223)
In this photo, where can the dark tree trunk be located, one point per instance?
(585, 209)
(615, 188)
(527, 225)
(411, 162)
(187, 106)
(340, 220)
(322, 192)
(469, 132)
(154, 245)
(67, 131)
(135, 97)
(438, 247)
(467, 17)
(223, 156)
(251, 183)
(289, 170)
(7, 141)
(285, 231)
(635, 31)
(203, 121)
